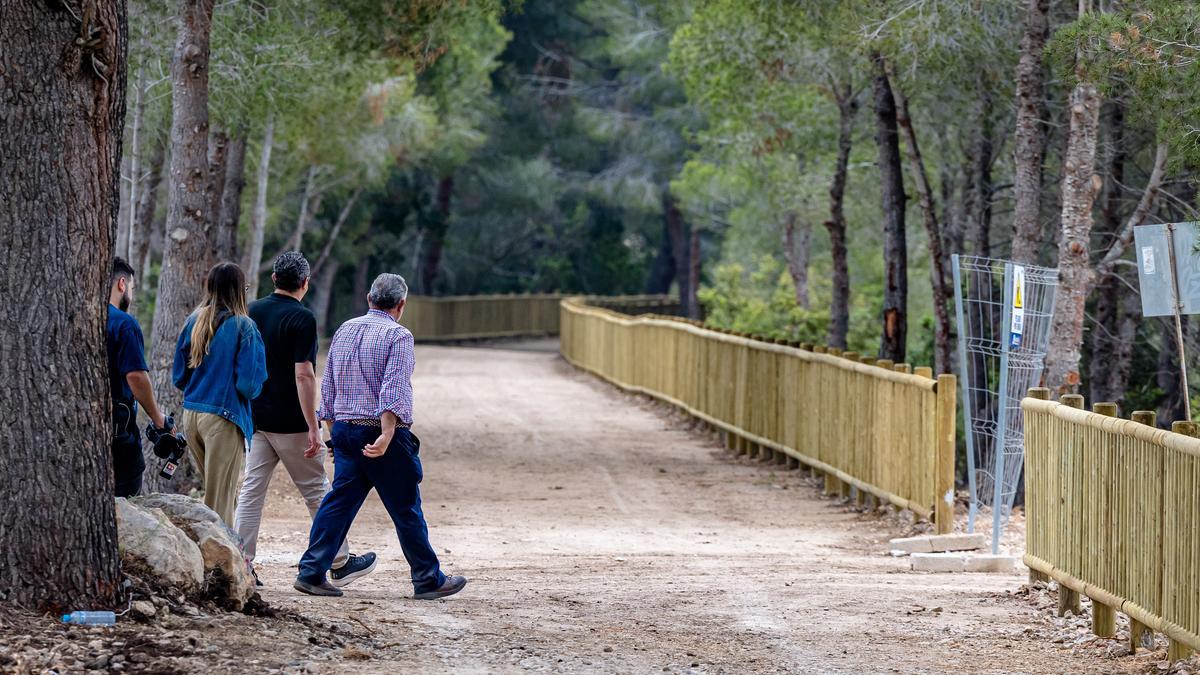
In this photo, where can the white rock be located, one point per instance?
(147, 540)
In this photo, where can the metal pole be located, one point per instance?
(1177, 306)
(965, 379)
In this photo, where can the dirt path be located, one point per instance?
(600, 534)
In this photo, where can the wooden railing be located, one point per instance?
(1113, 512)
(472, 317)
(871, 426)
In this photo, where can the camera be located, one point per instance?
(167, 445)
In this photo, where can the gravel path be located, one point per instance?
(601, 533)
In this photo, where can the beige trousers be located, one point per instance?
(308, 474)
(220, 452)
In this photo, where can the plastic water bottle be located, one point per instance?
(80, 618)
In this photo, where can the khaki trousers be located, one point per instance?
(307, 473)
(220, 452)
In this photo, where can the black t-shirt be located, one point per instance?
(289, 332)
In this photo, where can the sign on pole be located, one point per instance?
(1018, 307)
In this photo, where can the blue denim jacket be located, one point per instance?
(228, 378)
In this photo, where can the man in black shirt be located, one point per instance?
(285, 413)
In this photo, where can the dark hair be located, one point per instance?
(120, 269)
(225, 291)
(291, 269)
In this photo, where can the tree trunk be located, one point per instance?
(431, 251)
(123, 207)
(231, 198)
(1108, 312)
(186, 257)
(362, 283)
(677, 229)
(336, 231)
(129, 219)
(839, 307)
(1172, 407)
(943, 354)
(322, 295)
(1080, 185)
(894, 342)
(64, 113)
(218, 165)
(259, 219)
(796, 248)
(662, 270)
(147, 205)
(693, 273)
(1029, 143)
(979, 217)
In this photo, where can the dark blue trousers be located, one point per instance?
(395, 476)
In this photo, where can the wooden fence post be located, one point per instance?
(1041, 393)
(1104, 618)
(1176, 650)
(1137, 629)
(1068, 599)
(943, 507)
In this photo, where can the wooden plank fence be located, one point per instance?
(1112, 512)
(867, 424)
(473, 317)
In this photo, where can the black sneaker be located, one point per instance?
(453, 585)
(356, 566)
(257, 581)
(323, 588)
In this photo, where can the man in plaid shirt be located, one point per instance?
(366, 399)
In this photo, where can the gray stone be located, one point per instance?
(143, 608)
(147, 540)
(911, 545)
(228, 571)
(937, 562)
(958, 542)
(222, 552)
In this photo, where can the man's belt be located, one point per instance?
(375, 423)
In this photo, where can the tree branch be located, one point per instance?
(1145, 204)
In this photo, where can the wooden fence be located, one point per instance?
(1112, 512)
(869, 425)
(471, 317)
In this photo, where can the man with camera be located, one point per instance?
(129, 381)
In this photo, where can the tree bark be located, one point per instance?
(323, 294)
(1029, 140)
(893, 344)
(839, 307)
(218, 164)
(693, 273)
(1080, 185)
(362, 283)
(431, 250)
(231, 198)
(662, 270)
(186, 258)
(796, 247)
(943, 354)
(129, 218)
(63, 99)
(979, 217)
(147, 205)
(1172, 407)
(336, 231)
(258, 224)
(677, 229)
(1104, 384)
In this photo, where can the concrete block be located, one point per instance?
(997, 564)
(938, 562)
(912, 545)
(958, 542)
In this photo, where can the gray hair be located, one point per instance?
(291, 269)
(387, 291)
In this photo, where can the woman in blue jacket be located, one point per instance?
(220, 365)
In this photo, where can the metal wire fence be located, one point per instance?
(1003, 313)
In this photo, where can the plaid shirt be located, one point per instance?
(369, 370)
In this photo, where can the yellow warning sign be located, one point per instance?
(1017, 298)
